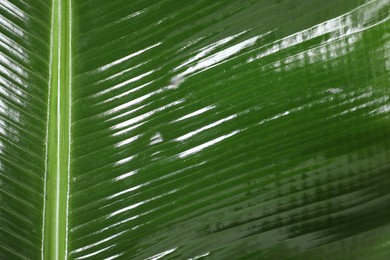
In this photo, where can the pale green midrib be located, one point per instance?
(58, 134)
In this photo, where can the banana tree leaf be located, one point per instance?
(172, 129)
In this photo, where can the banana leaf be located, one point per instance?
(173, 129)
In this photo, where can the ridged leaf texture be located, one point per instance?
(172, 129)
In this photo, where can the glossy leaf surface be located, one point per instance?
(255, 129)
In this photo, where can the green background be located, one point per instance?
(252, 129)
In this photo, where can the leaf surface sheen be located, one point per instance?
(194, 129)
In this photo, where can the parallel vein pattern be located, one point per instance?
(24, 57)
(196, 129)
(230, 129)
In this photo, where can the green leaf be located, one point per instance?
(145, 129)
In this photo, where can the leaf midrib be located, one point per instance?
(55, 220)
